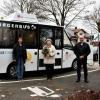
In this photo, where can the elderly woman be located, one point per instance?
(49, 58)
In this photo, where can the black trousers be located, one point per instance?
(80, 63)
(49, 70)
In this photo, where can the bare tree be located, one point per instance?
(94, 19)
(12, 6)
(58, 11)
(7, 8)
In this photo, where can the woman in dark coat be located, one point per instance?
(20, 56)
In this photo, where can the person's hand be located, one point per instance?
(81, 57)
(47, 55)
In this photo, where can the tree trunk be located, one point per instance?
(98, 25)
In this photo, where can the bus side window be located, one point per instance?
(7, 37)
(45, 32)
(58, 38)
(29, 38)
(0, 36)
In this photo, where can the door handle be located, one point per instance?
(35, 53)
(58, 53)
(66, 52)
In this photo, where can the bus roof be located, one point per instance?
(21, 17)
(18, 17)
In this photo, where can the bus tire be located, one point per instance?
(74, 64)
(11, 70)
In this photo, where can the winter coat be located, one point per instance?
(16, 52)
(51, 58)
(82, 49)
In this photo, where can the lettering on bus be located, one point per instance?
(5, 52)
(1, 52)
(16, 25)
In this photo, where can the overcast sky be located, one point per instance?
(79, 23)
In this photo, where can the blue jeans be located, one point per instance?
(20, 69)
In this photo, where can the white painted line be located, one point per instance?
(55, 96)
(37, 91)
(3, 96)
(41, 79)
(75, 74)
(41, 91)
(9, 82)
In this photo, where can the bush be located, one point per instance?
(84, 95)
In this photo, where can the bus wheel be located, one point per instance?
(11, 71)
(74, 64)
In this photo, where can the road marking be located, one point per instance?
(75, 74)
(41, 79)
(3, 96)
(38, 90)
(41, 91)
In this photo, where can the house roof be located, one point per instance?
(77, 30)
(72, 32)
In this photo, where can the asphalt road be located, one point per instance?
(38, 88)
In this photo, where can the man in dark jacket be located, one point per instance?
(20, 56)
(82, 50)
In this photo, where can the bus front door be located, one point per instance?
(56, 35)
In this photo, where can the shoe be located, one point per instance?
(20, 79)
(48, 80)
(77, 81)
(86, 81)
